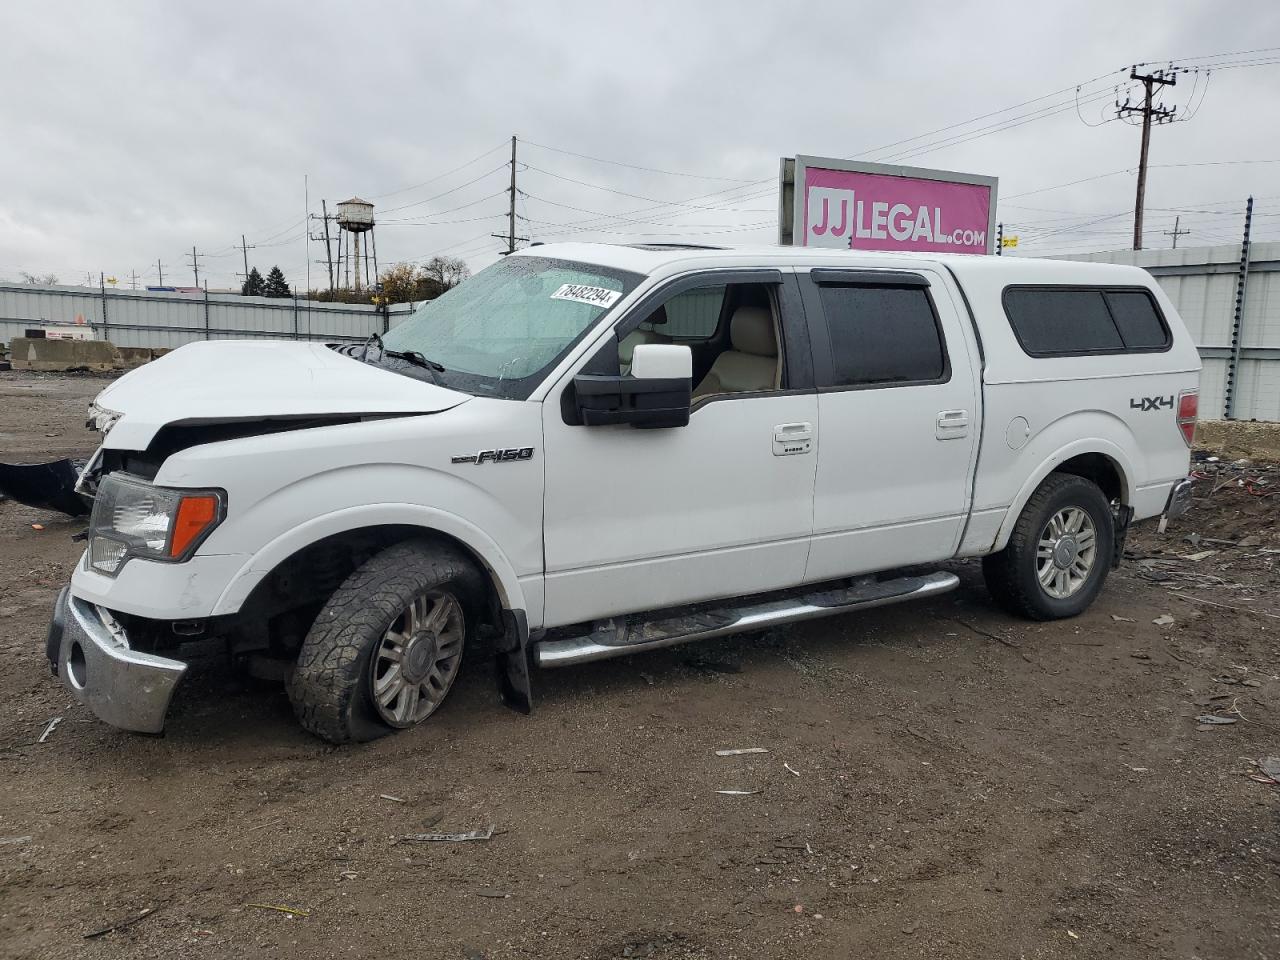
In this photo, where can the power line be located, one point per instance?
(418, 203)
(441, 176)
(633, 166)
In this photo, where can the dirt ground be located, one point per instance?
(942, 781)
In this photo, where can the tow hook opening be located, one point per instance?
(77, 671)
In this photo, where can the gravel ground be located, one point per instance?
(942, 780)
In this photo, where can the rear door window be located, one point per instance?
(882, 335)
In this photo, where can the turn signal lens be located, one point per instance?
(1188, 410)
(195, 516)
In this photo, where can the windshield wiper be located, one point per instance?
(416, 358)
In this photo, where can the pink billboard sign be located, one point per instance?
(854, 206)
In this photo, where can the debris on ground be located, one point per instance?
(1213, 720)
(737, 793)
(45, 486)
(1197, 557)
(5, 841)
(1270, 767)
(494, 894)
(121, 924)
(291, 911)
(1163, 620)
(740, 751)
(485, 834)
(49, 729)
(387, 796)
(792, 769)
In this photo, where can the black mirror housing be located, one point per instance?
(649, 402)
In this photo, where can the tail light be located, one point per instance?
(1188, 409)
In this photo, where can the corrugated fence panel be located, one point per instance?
(1202, 282)
(152, 318)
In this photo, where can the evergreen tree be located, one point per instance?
(253, 285)
(277, 285)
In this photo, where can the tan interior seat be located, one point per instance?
(752, 363)
(647, 332)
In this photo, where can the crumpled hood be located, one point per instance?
(227, 380)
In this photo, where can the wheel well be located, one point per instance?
(1100, 469)
(280, 610)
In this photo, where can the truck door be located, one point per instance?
(897, 368)
(639, 519)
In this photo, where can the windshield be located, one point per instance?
(498, 332)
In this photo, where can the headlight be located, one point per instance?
(133, 518)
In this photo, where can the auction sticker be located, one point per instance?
(580, 293)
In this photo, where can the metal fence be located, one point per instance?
(147, 318)
(1231, 305)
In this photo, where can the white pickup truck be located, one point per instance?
(588, 450)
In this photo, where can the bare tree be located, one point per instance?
(447, 271)
(38, 279)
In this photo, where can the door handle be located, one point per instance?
(952, 424)
(790, 439)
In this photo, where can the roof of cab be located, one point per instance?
(654, 258)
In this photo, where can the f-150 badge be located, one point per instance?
(509, 455)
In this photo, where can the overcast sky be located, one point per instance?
(131, 131)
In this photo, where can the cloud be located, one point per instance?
(132, 132)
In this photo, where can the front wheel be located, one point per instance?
(387, 646)
(1059, 553)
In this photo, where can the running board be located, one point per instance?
(619, 637)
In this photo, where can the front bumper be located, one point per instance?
(126, 688)
(1179, 501)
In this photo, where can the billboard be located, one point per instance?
(849, 205)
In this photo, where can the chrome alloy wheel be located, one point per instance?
(417, 659)
(1066, 552)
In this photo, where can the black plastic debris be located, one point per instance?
(46, 486)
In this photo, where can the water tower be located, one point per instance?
(355, 216)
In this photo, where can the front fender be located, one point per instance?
(502, 573)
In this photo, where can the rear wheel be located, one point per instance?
(1059, 553)
(387, 646)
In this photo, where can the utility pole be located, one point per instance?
(511, 212)
(244, 249)
(328, 255)
(195, 264)
(1175, 232)
(1150, 81)
(160, 270)
(510, 235)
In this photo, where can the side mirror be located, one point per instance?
(657, 393)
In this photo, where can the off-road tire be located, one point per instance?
(329, 685)
(1011, 574)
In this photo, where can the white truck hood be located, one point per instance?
(227, 380)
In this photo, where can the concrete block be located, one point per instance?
(136, 356)
(52, 356)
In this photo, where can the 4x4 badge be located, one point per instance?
(509, 455)
(1150, 403)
